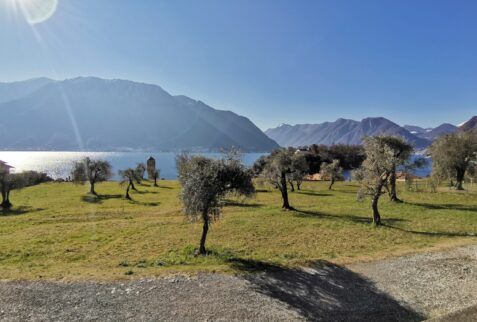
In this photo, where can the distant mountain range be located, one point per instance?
(431, 133)
(344, 131)
(97, 114)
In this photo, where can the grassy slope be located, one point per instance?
(58, 232)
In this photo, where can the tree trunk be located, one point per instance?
(127, 192)
(283, 189)
(131, 183)
(292, 187)
(298, 185)
(155, 182)
(331, 183)
(374, 206)
(393, 193)
(205, 229)
(91, 190)
(5, 199)
(459, 179)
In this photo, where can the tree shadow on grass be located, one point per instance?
(443, 206)
(324, 292)
(17, 211)
(232, 203)
(90, 198)
(313, 193)
(150, 204)
(432, 233)
(352, 218)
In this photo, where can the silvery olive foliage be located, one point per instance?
(298, 170)
(331, 171)
(206, 182)
(278, 165)
(92, 171)
(453, 156)
(383, 154)
(128, 176)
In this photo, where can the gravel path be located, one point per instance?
(409, 288)
(431, 283)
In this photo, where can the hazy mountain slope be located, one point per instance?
(416, 129)
(16, 90)
(431, 133)
(442, 129)
(342, 131)
(470, 125)
(118, 115)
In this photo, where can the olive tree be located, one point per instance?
(206, 182)
(127, 178)
(153, 173)
(92, 171)
(140, 170)
(331, 171)
(402, 154)
(14, 181)
(382, 156)
(453, 155)
(277, 166)
(298, 170)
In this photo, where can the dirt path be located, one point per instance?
(409, 288)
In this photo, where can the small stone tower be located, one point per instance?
(151, 167)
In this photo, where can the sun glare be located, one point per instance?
(34, 11)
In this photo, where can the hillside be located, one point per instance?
(342, 131)
(470, 125)
(96, 114)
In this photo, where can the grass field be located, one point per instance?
(57, 231)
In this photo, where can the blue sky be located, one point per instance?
(274, 61)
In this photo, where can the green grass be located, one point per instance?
(57, 231)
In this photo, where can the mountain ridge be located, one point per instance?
(103, 114)
(341, 131)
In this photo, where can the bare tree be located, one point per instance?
(92, 171)
(453, 155)
(205, 183)
(381, 159)
(128, 176)
(331, 171)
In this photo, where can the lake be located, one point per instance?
(59, 164)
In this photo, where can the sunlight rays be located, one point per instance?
(33, 11)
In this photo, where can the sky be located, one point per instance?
(273, 61)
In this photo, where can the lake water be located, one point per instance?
(59, 164)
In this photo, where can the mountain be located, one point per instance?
(16, 90)
(431, 133)
(470, 125)
(416, 129)
(342, 131)
(97, 114)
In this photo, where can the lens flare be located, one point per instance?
(37, 11)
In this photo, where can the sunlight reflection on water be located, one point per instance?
(59, 164)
